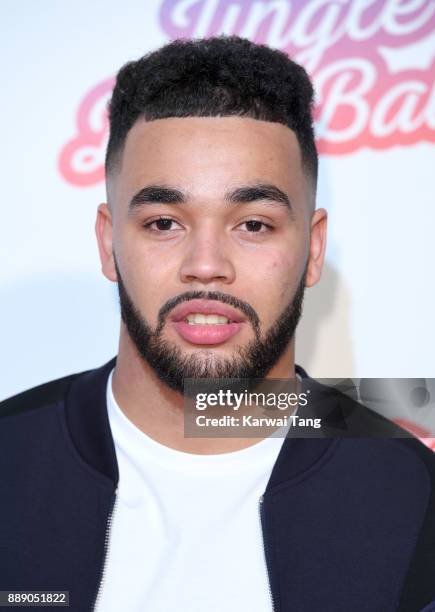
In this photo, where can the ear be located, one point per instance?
(104, 232)
(317, 246)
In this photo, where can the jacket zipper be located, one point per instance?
(106, 547)
(266, 553)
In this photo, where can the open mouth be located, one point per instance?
(206, 319)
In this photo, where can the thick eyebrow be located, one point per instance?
(156, 194)
(260, 191)
(160, 194)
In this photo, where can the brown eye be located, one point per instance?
(254, 226)
(163, 224)
(160, 225)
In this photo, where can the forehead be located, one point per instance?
(212, 153)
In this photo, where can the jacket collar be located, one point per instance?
(88, 425)
(88, 422)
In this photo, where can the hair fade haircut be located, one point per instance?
(214, 77)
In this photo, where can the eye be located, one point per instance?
(162, 224)
(254, 226)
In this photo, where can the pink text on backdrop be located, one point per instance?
(372, 63)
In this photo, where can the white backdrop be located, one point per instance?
(373, 62)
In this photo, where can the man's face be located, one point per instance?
(214, 208)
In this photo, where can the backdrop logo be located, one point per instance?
(81, 161)
(372, 63)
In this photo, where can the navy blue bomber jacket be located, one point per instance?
(348, 520)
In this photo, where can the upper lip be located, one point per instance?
(206, 307)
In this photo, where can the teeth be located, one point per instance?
(202, 319)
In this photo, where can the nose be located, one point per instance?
(206, 260)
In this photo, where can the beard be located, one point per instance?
(172, 366)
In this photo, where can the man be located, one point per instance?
(211, 232)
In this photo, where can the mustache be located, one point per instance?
(217, 296)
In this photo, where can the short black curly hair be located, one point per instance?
(214, 77)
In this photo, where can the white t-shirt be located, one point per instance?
(186, 533)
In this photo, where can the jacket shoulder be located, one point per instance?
(418, 590)
(37, 397)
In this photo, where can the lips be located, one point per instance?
(206, 307)
(206, 334)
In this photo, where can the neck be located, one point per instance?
(157, 410)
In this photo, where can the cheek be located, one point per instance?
(148, 281)
(282, 266)
(278, 274)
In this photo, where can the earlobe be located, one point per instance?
(317, 246)
(104, 233)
